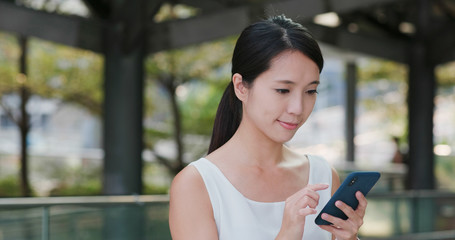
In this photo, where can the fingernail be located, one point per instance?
(324, 216)
(338, 203)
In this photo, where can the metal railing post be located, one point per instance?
(45, 224)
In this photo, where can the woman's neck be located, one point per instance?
(255, 148)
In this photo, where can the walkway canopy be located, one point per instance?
(419, 33)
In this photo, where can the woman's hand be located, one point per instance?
(297, 207)
(346, 229)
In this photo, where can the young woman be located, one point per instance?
(251, 186)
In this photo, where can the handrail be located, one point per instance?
(139, 199)
(412, 194)
(437, 235)
(85, 200)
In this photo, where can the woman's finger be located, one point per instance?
(318, 186)
(362, 204)
(336, 222)
(309, 201)
(336, 231)
(346, 229)
(307, 211)
(346, 209)
(310, 189)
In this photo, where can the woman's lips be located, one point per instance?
(289, 126)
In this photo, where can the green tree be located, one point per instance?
(374, 69)
(177, 70)
(49, 71)
(72, 75)
(25, 87)
(388, 80)
(19, 115)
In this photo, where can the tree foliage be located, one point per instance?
(375, 69)
(43, 72)
(383, 87)
(54, 71)
(9, 57)
(65, 73)
(190, 78)
(445, 75)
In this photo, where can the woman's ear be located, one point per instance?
(241, 91)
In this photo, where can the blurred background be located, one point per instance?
(103, 102)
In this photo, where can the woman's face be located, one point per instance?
(282, 98)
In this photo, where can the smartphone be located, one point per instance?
(355, 181)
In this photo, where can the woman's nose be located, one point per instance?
(295, 105)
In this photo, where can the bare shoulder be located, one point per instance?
(188, 185)
(187, 180)
(190, 210)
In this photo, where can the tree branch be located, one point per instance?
(163, 160)
(9, 113)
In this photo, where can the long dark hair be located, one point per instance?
(257, 45)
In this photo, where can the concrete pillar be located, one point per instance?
(124, 42)
(421, 95)
(123, 102)
(351, 98)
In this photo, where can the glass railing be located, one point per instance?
(406, 215)
(91, 218)
(410, 215)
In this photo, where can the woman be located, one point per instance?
(250, 186)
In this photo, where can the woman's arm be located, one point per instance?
(190, 210)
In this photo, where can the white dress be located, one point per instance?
(240, 218)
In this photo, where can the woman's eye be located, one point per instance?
(312, 92)
(282, 91)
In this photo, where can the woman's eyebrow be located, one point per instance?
(315, 82)
(286, 81)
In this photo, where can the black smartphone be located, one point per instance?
(355, 181)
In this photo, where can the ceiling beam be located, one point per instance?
(231, 21)
(306, 9)
(98, 8)
(442, 48)
(297, 9)
(87, 33)
(68, 30)
(378, 46)
(181, 33)
(345, 6)
(204, 5)
(177, 34)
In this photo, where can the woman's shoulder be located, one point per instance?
(190, 209)
(187, 180)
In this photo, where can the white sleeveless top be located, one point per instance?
(239, 218)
